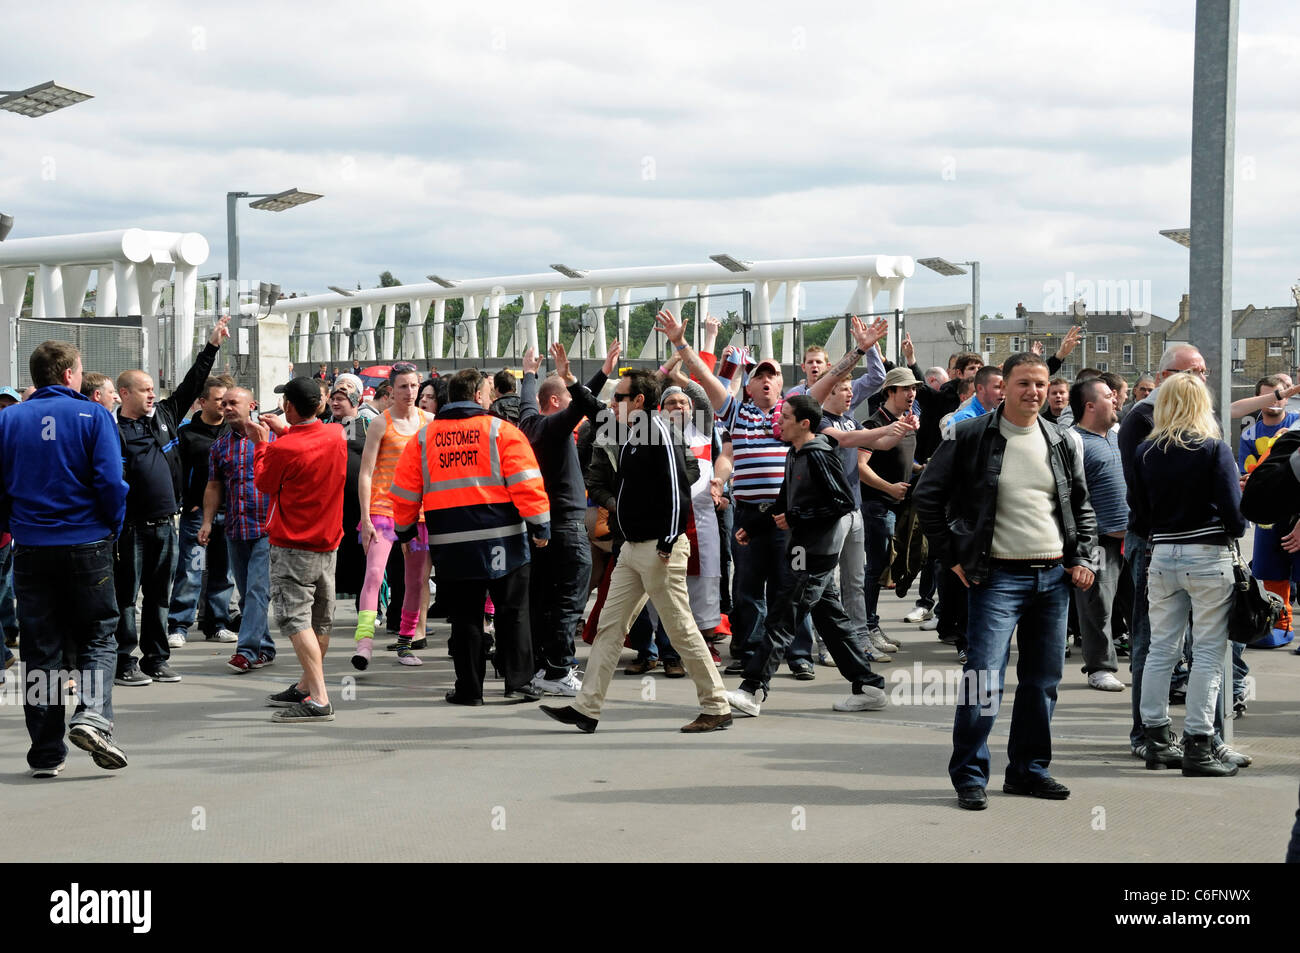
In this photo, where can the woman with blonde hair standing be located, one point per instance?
(1185, 487)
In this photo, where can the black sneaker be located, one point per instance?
(1044, 787)
(568, 715)
(524, 693)
(304, 711)
(163, 673)
(100, 745)
(417, 644)
(291, 696)
(802, 670)
(132, 676)
(972, 798)
(735, 668)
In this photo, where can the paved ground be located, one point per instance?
(403, 776)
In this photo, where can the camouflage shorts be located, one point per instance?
(302, 590)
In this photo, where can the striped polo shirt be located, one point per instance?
(759, 456)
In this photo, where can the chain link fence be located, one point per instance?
(108, 346)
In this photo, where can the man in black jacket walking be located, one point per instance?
(651, 506)
(146, 550)
(813, 504)
(561, 573)
(1004, 504)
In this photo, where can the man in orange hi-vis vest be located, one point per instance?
(476, 479)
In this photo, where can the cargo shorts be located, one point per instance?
(302, 590)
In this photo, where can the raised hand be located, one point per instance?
(671, 328)
(561, 359)
(867, 335)
(611, 358)
(1036, 349)
(1070, 342)
(909, 349)
(221, 331)
(532, 361)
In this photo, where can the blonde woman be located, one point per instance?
(1185, 487)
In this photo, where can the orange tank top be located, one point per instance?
(390, 451)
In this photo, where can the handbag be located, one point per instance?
(1254, 610)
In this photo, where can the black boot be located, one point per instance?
(1199, 760)
(1163, 751)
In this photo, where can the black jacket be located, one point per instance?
(554, 446)
(956, 498)
(170, 411)
(647, 479)
(507, 408)
(196, 439)
(1272, 494)
(814, 493)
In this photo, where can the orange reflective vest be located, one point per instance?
(476, 479)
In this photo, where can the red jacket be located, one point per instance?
(303, 473)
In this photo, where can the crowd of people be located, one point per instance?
(706, 505)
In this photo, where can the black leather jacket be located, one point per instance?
(957, 496)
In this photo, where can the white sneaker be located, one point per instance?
(1105, 682)
(871, 699)
(570, 685)
(175, 640)
(874, 654)
(919, 614)
(930, 624)
(223, 635)
(743, 702)
(881, 641)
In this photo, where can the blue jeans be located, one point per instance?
(251, 560)
(1137, 553)
(557, 594)
(146, 561)
(188, 580)
(762, 606)
(1032, 603)
(8, 615)
(651, 641)
(878, 522)
(66, 601)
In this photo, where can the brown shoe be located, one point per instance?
(707, 723)
(640, 667)
(674, 670)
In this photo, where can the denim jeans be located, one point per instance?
(1033, 604)
(762, 608)
(66, 600)
(1183, 577)
(8, 614)
(1094, 606)
(650, 639)
(146, 560)
(251, 561)
(187, 584)
(557, 594)
(726, 528)
(816, 595)
(878, 522)
(1137, 553)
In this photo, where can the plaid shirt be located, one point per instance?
(230, 461)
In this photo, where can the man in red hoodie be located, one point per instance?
(303, 473)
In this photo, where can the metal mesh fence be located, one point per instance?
(108, 346)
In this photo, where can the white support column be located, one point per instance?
(895, 288)
(76, 278)
(369, 352)
(390, 331)
(13, 286)
(324, 348)
(47, 292)
(762, 317)
(525, 335)
(128, 293)
(554, 302)
(415, 329)
(439, 328)
(493, 322)
(624, 320)
(304, 344)
(106, 292)
(702, 310)
(596, 343)
(469, 320)
(650, 347)
(345, 334)
(185, 289)
(791, 318)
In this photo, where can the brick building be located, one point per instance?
(1111, 341)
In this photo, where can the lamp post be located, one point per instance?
(947, 268)
(40, 100)
(267, 202)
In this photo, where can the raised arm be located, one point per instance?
(676, 333)
(1248, 405)
(866, 337)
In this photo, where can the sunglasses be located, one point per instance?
(621, 397)
(405, 368)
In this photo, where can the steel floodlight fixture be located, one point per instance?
(1183, 236)
(569, 272)
(284, 200)
(445, 282)
(40, 100)
(942, 266)
(340, 291)
(6, 226)
(731, 264)
(267, 295)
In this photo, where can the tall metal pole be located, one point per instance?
(1214, 96)
(232, 250)
(975, 304)
(1214, 100)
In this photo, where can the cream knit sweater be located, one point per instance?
(1026, 526)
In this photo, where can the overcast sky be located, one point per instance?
(495, 138)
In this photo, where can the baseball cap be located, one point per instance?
(10, 392)
(765, 367)
(301, 392)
